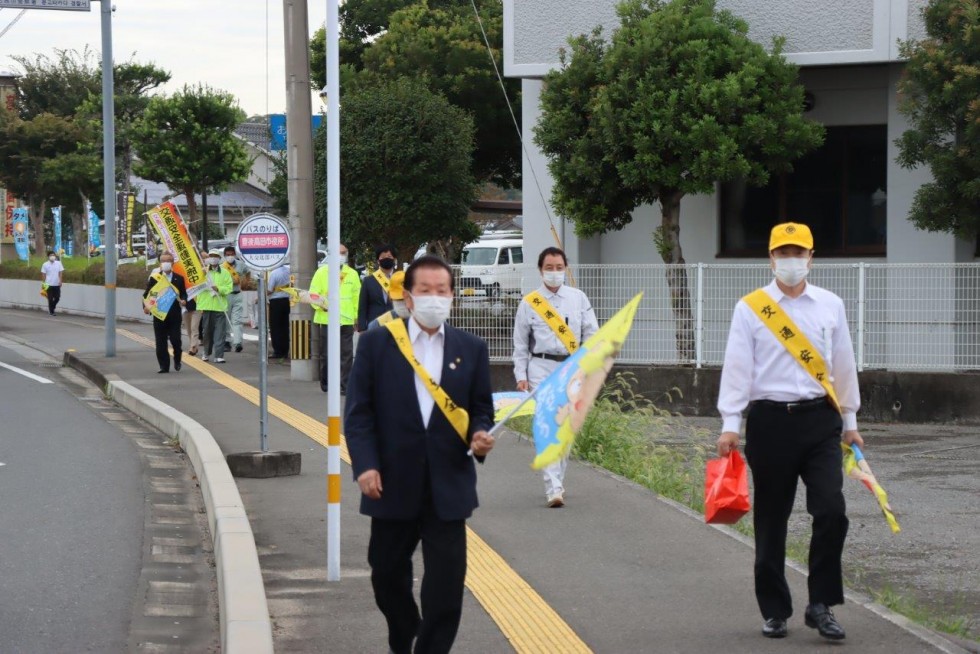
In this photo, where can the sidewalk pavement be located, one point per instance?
(626, 570)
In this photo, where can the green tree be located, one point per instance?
(941, 98)
(187, 142)
(58, 85)
(26, 146)
(133, 83)
(405, 156)
(679, 99)
(439, 42)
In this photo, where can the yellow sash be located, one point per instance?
(234, 274)
(455, 414)
(382, 279)
(792, 338)
(551, 317)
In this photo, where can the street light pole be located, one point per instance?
(109, 179)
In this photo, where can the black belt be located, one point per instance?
(550, 357)
(795, 407)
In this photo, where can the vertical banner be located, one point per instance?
(167, 223)
(126, 210)
(94, 241)
(9, 202)
(56, 212)
(20, 233)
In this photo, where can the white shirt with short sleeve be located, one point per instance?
(758, 367)
(52, 272)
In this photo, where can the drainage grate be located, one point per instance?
(50, 364)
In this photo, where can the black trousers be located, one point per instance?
(164, 330)
(54, 295)
(444, 556)
(346, 355)
(780, 448)
(279, 326)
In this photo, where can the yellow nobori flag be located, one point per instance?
(566, 396)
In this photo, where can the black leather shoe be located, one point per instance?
(774, 628)
(161, 371)
(238, 348)
(323, 387)
(177, 365)
(820, 617)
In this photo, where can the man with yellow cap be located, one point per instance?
(396, 293)
(790, 361)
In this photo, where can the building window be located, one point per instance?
(839, 190)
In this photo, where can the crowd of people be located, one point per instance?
(789, 367)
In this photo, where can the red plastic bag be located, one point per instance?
(726, 489)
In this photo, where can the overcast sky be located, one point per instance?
(221, 43)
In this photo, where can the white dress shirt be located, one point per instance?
(758, 367)
(532, 335)
(428, 350)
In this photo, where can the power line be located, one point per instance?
(13, 22)
(513, 117)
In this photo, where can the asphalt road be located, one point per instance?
(71, 518)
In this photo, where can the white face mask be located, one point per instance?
(343, 260)
(431, 311)
(213, 261)
(553, 278)
(230, 258)
(793, 270)
(400, 309)
(166, 266)
(52, 258)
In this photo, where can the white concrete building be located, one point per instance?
(848, 51)
(850, 191)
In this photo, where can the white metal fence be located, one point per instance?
(901, 316)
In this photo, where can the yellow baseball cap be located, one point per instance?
(397, 285)
(790, 234)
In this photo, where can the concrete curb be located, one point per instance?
(244, 612)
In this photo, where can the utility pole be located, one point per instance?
(109, 179)
(304, 340)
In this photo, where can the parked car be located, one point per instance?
(492, 267)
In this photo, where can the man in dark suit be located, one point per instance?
(410, 455)
(169, 327)
(375, 299)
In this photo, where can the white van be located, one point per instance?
(492, 267)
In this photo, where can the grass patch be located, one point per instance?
(78, 270)
(947, 621)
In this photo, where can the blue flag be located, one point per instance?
(93, 230)
(20, 234)
(565, 397)
(56, 212)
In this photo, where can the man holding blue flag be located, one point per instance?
(164, 295)
(550, 326)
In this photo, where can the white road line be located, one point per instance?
(30, 375)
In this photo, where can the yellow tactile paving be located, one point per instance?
(524, 617)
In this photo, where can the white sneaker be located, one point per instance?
(204, 357)
(219, 360)
(556, 500)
